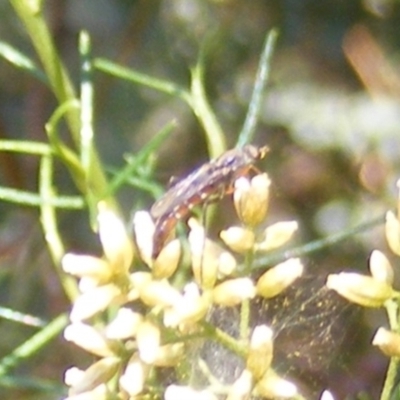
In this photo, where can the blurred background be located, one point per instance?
(331, 117)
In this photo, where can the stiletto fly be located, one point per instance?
(210, 182)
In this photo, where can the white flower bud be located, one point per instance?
(260, 351)
(167, 261)
(273, 386)
(148, 340)
(251, 199)
(238, 239)
(381, 268)
(124, 325)
(144, 229)
(94, 301)
(360, 289)
(326, 395)
(134, 376)
(117, 244)
(100, 372)
(159, 293)
(89, 339)
(241, 388)
(86, 266)
(278, 278)
(232, 292)
(192, 308)
(277, 235)
(388, 342)
(175, 392)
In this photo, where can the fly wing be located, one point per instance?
(179, 193)
(210, 181)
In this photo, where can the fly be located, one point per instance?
(208, 183)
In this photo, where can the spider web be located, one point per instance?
(313, 329)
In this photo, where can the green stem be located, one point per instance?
(392, 309)
(49, 225)
(245, 306)
(31, 14)
(131, 75)
(244, 319)
(34, 200)
(215, 137)
(33, 345)
(264, 69)
(27, 147)
(316, 245)
(226, 340)
(390, 379)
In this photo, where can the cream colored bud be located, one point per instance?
(232, 292)
(98, 393)
(117, 244)
(144, 229)
(89, 339)
(381, 268)
(175, 392)
(86, 284)
(94, 301)
(360, 289)
(277, 235)
(241, 388)
(205, 255)
(273, 386)
(148, 340)
(259, 357)
(83, 265)
(73, 375)
(124, 325)
(326, 395)
(398, 199)
(251, 199)
(388, 342)
(100, 372)
(170, 355)
(192, 308)
(392, 230)
(278, 278)
(159, 293)
(238, 239)
(134, 376)
(137, 281)
(167, 261)
(227, 264)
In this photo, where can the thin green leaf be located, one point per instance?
(25, 319)
(215, 137)
(48, 219)
(124, 175)
(21, 61)
(264, 68)
(129, 74)
(70, 159)
(33, 345)
(24, 382)
(34, 200)
(24, 146)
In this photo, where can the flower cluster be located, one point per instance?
(376, 290)
(155, 310)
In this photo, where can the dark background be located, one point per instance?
(331, 117)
